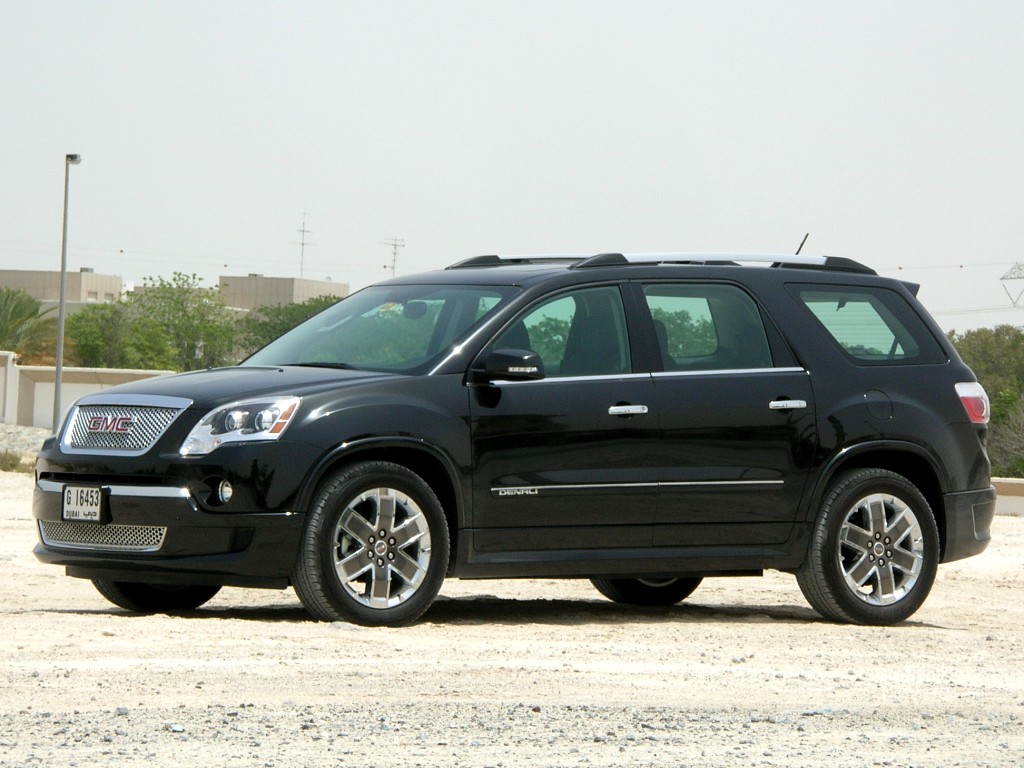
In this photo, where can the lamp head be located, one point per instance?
(72, 159)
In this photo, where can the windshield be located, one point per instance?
(398, 328)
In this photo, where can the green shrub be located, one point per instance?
(11, 462)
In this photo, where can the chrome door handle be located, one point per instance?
(627, 410)
(787, 405)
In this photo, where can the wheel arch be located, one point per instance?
(907, 459)
(436, 469)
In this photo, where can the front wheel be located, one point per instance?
(667, 591)
(375, 547)
(874, 550)
(154, 598)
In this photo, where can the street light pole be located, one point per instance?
(58, 373)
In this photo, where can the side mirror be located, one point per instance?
(509, 365)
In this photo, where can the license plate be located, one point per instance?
(83, 503)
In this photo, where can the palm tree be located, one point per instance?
(25, 327)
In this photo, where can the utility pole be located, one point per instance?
(302, 243)
(395, 244)
(58, 371)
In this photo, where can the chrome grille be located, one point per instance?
(121, 429)
(113, 538)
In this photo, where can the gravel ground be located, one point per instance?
(509, 673)
(23, 440)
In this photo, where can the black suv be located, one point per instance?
(640, 420)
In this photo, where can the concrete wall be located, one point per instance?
(1010, 496)
(27, 391)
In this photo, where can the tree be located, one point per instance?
(996, 355)
(25, 327)
(199, 328)
(687, 337)
(117, 335)
(264, 324)
(171, 324)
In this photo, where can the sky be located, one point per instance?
(891, 132)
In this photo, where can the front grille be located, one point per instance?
(121, 429)
(112, 538)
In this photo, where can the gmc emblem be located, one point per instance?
(117, 424)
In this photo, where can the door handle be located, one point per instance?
(627, 410)
(787, 405)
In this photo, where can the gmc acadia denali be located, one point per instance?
(639, 420)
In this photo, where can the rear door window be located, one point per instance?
(706, 327)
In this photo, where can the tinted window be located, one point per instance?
(394, 328)
(707, 327)
(874, 326)
(580, 333)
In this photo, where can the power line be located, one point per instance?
(974, 310)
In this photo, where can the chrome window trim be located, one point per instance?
(559, 379)
(655, 375)
(726, 372)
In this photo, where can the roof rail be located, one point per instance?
(477, 261)
(492, 260)
(830, 263)
(834, 263)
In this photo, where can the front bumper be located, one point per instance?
(162, 534)
(968, 523)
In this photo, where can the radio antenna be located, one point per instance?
(802, 243)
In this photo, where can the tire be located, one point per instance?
(375, 547)
(647, 591)
(874, 550)
(154, 598)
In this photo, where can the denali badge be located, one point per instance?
(518, 491)
(118, 424)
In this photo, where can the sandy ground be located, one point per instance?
(510, 674)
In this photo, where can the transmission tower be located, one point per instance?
(1015, 273)
(395, 244)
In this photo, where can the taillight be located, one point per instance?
(974, 400)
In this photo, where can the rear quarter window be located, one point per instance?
(873, 326)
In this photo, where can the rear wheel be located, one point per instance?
(874, 551)
(154, 598)
(666, 591)
(375, 547)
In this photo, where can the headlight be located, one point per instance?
(241, 422)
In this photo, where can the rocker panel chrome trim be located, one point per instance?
(535, 490)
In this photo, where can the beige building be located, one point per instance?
(82, 286)
(252, 291)
(238, 292)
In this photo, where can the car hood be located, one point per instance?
(216, 386)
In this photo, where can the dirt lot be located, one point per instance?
(510, 674)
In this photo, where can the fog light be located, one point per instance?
(225, 491)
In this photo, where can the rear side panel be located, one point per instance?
(884, 379)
